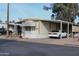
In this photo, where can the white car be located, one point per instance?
(56, 33)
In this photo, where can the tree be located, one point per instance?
(49, 8)
(65, 11)
(46, 8)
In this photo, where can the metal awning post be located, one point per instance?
(61, 29)
(72, 31)
(68, 30)
(22, 29)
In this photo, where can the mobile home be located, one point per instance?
(39, 28)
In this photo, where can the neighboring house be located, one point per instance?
(4, 25)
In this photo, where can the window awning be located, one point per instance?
(28, 24)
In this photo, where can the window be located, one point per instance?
(28, 28)
(33, 28)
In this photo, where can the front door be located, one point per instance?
(19, 30)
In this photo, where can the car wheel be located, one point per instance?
(50, 37)
(59, 36)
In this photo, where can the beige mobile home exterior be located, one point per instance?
(39, 28)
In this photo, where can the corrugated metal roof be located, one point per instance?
(36, 19)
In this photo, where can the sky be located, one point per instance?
(25, 10)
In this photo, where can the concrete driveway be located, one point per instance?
(19, 48)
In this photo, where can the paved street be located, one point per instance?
(16, 48)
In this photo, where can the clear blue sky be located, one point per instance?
(27, 10)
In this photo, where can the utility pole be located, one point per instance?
(7, 19)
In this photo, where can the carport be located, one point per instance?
(59, 25)
(66, 26)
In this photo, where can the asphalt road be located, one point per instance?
(15, 48)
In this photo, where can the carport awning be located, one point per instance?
(28, 24)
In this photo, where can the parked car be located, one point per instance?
(3, 31)
(57, 33)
